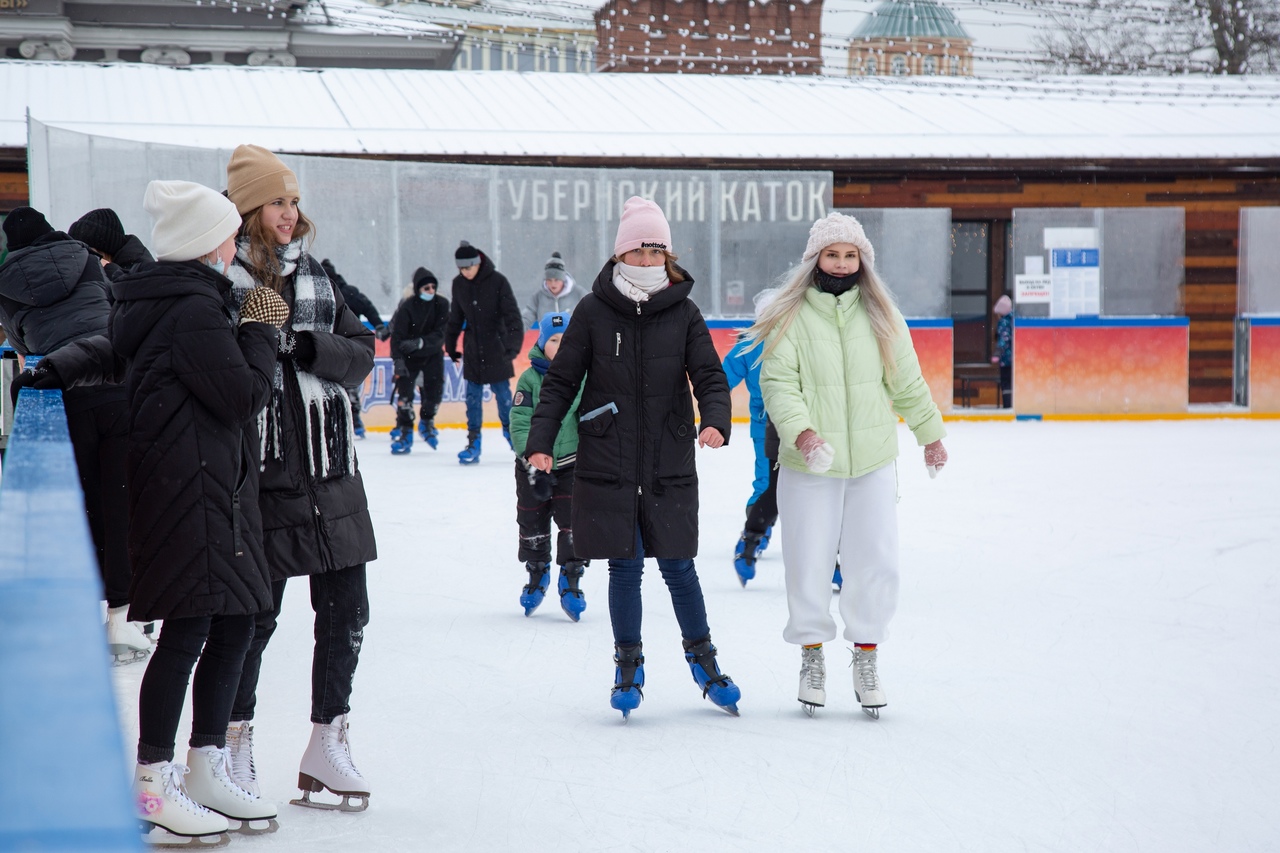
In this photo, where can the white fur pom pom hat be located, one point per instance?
(838, 228)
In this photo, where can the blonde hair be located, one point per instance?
(779, 313)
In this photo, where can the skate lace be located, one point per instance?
(814, 668)
(240, 751)
(338, 749)
(864, 663)
(171, 777)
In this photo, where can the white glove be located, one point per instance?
(935, 456)
(818, 455)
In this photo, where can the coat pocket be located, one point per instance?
(674, 464)
(599, 448)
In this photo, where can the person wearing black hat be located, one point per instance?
(484, 304)
(53, 292)
(102, 231)
(557, 292)
(417, 347)
(363, 307)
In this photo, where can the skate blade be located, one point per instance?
(158, 836)
(809, 707)
(873, 713)
(130, 656)
(258, 826)
(731, 709)
(350, 802)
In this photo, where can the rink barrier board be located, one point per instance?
(1264, 364)
(1101, 366)
(932, 339)
(63, 779)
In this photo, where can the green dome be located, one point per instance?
(917, 19)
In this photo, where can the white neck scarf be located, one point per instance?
(639, 283)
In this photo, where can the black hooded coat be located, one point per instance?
(494, 328)
(54, 292)
(635, 465)
(195, 385)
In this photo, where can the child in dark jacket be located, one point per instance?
(543, 495)
(417, 347)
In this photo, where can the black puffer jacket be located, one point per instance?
(635, 465)
(316, 525)
(54, 292)
(195, 385)
(418, 318)
(494, 328)
(131, 256)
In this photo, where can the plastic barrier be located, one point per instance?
(63, 777)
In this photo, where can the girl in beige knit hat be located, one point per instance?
(314, 508)
(838, 370)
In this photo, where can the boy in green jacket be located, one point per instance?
(542, 496)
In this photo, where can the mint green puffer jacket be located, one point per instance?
(825, 374)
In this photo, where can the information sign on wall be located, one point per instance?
(1076, 282)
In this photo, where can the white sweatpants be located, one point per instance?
(856, 517)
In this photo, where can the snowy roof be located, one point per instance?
(353, 17)
(910, 19)
(509, 114)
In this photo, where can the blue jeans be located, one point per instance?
(682, 583)
(475, 404)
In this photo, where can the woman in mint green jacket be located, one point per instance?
(838, 370)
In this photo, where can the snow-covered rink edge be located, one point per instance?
(1084, 658)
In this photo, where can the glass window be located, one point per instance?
(899, 66)
(930, 65)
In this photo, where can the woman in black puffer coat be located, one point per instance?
(314, 510)
(638, 340)
(195, 384)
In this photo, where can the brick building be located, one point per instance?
(710, 36)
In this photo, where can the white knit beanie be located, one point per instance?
(838, 228)
(191, 220)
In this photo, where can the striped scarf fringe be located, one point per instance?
(327, 423)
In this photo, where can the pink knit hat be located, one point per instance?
(642, 225)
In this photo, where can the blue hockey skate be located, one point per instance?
(628, 679)
(744, 556)
(536, 589)
(470, 454)
(764, 540)
(357, 425)
(572, 601)
(716, 686)
(431, 435)
(403, 442)
(837, 582)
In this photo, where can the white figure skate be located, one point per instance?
(327, 765)
(813, 680)
(210, 784)
(125, 639)
(866, 682)
(240, 747)
(168, 816)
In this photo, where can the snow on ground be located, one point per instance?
(1083, 659)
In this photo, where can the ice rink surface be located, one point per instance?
(1084, 658)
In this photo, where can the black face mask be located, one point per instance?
(835, 284)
